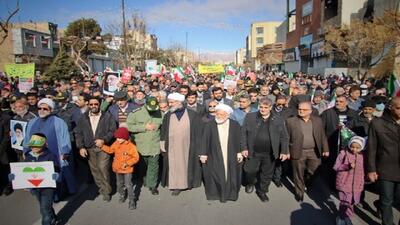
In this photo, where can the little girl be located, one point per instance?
(125, 156)
(350, 178)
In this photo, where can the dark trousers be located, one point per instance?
(149, 167)
(308, 163)
(99, 163)
(389, 192)
(124, 184)
(45, 197)
(278, 171)
(262, 165)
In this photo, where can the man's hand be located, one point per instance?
(83, 152)
(99, 143)
(239, 157)
(352, 165)
(64, 157)
(150, 127)
(203, 159)
(284, 157)
(325, 154)
(373, 176)
(245, 153)
(109, 99)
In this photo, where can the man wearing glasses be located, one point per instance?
(58, 141)
(307, 144)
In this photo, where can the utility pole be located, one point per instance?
(124, 30)
(287, 15)
(186, 51)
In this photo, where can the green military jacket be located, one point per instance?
(147, 142)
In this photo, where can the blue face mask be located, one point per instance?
(380, 107)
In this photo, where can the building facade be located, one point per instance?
(261, 33)
(30, 43)
(240, 56)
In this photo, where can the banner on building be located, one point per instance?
(33, 175)
(289, 55)
(217, 68)
(317, 49)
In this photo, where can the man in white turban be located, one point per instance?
(180, 134)
(220, 156)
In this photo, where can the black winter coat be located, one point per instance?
(105, 131)
(383, 152)
(277, 131)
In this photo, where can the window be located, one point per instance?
(45, 40)
(260, 40)
(307, 8)
(260, 30)
(331, 9)
(30, 40)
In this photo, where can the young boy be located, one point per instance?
(39, 153)
(125, 156)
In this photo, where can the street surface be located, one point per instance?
(189, 208)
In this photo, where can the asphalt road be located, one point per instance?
(189, 208)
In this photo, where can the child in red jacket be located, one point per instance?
(125, 156)
(350, 178)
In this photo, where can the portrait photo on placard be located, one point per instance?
(17, 129)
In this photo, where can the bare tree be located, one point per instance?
(5, 23)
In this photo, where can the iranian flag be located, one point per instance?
(393, 86)
(162, 69)
(178, 74)
(230, 70)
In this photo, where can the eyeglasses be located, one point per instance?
(212, 106)
(93, 104)
(44, 109)
(73, 83)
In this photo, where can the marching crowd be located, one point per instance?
(181, 135)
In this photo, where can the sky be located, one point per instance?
(216, 26)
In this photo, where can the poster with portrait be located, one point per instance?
(110, 82)
(33, 175)
(17, 129)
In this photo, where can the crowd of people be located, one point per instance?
(180, 135)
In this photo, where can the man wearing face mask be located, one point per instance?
(95, 129)
(263, 140)
(360, 124)
(58, 140)
(180, 134)
(145, 123)
(221, 157)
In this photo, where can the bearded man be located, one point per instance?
(221, 157)
(180, 134)
(58, 141)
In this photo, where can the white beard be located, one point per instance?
(43, 114)
(218, 121)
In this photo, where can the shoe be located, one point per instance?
(263, 196)
(132, 205)
(8, 190)
(122, 198)
(106, 198)
(154, 191)
(249, 188)
(278, 183)
(299, 198)
(176, 192)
